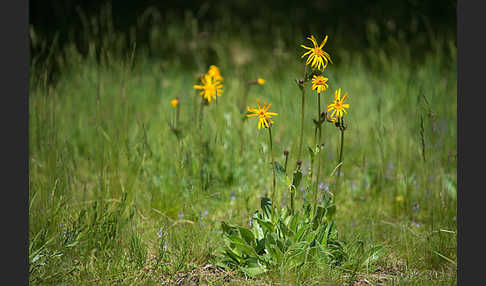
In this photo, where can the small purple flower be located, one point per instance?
(251, 222)
(165, 246)
(205, 213)
(454, 218)
(415, 224)
(180, 215)
(415, 182)
(352, 223)
(160, 233)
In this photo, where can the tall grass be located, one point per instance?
(115, 196)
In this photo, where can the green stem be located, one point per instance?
(301, 125)
(318, 154)
(177, 115)
(340, 158)
(273, 167)
(292, 198)
(285, 166)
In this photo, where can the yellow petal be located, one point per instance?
(323, 42)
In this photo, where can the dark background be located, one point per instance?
(354, 25)
(409, 16)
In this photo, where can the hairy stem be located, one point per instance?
(301, 126)
(340, 159)
(319, 154)
(273, 167)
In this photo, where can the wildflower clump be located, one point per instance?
(287, 238)
(211, 84)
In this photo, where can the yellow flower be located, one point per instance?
(263, 115)
(338, 106)
(317, 57)
(215, 73)
(319, 83)
(210, 88)
(399, 198)
(260, 81)
(174, 102)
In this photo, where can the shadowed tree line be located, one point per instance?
(360, 24)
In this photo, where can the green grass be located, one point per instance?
(117, 199)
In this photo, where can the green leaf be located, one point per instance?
(247, 235)
(285, 230)
(228, 229)
(266, 205)
(235, 257)
(327, 234)
(272, 248)
(266, 225)
(241, 245)
(260, 246)
(316, 221)
(254, 268)
(331, 210)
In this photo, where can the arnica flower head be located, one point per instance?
(215, 73)
(338, 106)
(210, 87)
(319, 83)
(174, 102)
(263, 115)
(317, 57)
(260, 81)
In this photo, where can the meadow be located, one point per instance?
(118, 196)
